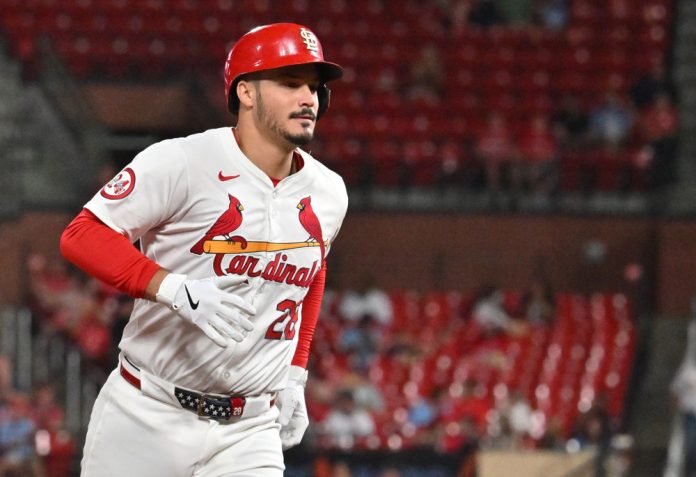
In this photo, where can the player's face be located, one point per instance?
(287, 103)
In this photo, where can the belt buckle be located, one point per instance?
(231, 407)
(213, 401)
(201, 405)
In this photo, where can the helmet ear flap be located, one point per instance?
(324, 96)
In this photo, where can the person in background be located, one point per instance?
(346, 423)
(611, 122)
(538, 153)
(496, 150)
(683, 390)
(427, 76)
(367, 299)
(570, 123)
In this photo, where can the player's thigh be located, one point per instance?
(133, 435)
(258, 453)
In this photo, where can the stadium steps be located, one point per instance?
(45, 168)
(684, 198)
(651, 415)
(15, 148)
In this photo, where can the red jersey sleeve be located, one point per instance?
(106, 255)
(310, 314)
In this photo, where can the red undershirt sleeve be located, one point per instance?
(310, 314)
(106, 255)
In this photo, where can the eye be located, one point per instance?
(298, 83)
(292, 83)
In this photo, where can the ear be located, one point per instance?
(246, 93)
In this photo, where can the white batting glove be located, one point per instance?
(207, 304)
(293, 417)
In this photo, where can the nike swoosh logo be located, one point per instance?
(188, 295)
(224, 178)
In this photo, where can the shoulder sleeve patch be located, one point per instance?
(120, 186)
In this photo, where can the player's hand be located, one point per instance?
(208, 304)
(293, 417)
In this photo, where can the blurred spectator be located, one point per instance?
(539, 153)
(346, 423)
(495, 147)
(45, 408)
(360, 341)
(456, 436)
(390, 472)
(411, 158)
(500, 436)
(367, 299)
(611, 122)
(422, 412)
(518, 413)
(489, 312)
(17, 452)
(659, 124)
(469, 404)
(683, 389)
(365, 394)
(571, 122)
(455, 14)
(619, 462)
(456, 170)
(552, 14)
(71, 303)
(485, 14)
(56, 447)
(659, 121)
(516, 12)
(18, 458)
(644, 91)
(427, 76)
(552, 438)
(539, 306)
(341, 469)
(593, 430)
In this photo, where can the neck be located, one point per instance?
(272, 157)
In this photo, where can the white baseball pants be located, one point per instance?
(133, 435)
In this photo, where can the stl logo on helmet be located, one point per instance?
(310, 40)
(120, 186)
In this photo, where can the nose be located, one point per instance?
(307, 97)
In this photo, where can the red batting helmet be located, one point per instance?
(275, 46)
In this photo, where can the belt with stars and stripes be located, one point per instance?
(212, 406)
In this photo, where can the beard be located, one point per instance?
(272, 123)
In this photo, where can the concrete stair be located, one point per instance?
(683, 198)
(651, 414)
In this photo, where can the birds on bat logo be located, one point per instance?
(228, 222)
(282, 268)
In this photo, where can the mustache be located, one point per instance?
(304, 112)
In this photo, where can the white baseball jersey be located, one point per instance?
(200, 207)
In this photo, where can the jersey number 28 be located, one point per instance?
(284, 326)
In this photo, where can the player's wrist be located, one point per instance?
(298, 375)
(168, 289)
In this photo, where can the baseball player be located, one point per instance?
(234, 226)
